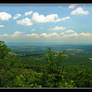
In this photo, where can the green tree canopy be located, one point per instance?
(4, 50)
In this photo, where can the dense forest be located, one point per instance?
(48, 71)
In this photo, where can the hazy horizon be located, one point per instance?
(43, 43)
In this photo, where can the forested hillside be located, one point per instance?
(48, 71)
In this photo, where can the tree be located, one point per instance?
(54, 69)
(4, 50)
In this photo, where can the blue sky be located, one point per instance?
(46, 23)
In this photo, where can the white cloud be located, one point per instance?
(25, 21)
(43, 19)
(36, 17)
(5, 16)
(1, 26)
(32, 35)
(44, 35)
(61, 37)
(16, 16)
(82, 34)
(73, 5)
(62, 19)
(79, 11)
(17, 33)
(75, 34)
(28, 13)
(72, 33)
(85, 34)
(69, 31)
(57, 28)
(65, 18)
(54, 34)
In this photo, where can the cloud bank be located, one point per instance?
(66, 36)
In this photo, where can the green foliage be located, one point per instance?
(4, 50)
(49, 71)
(64, 84)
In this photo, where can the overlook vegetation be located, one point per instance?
(50, 70)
